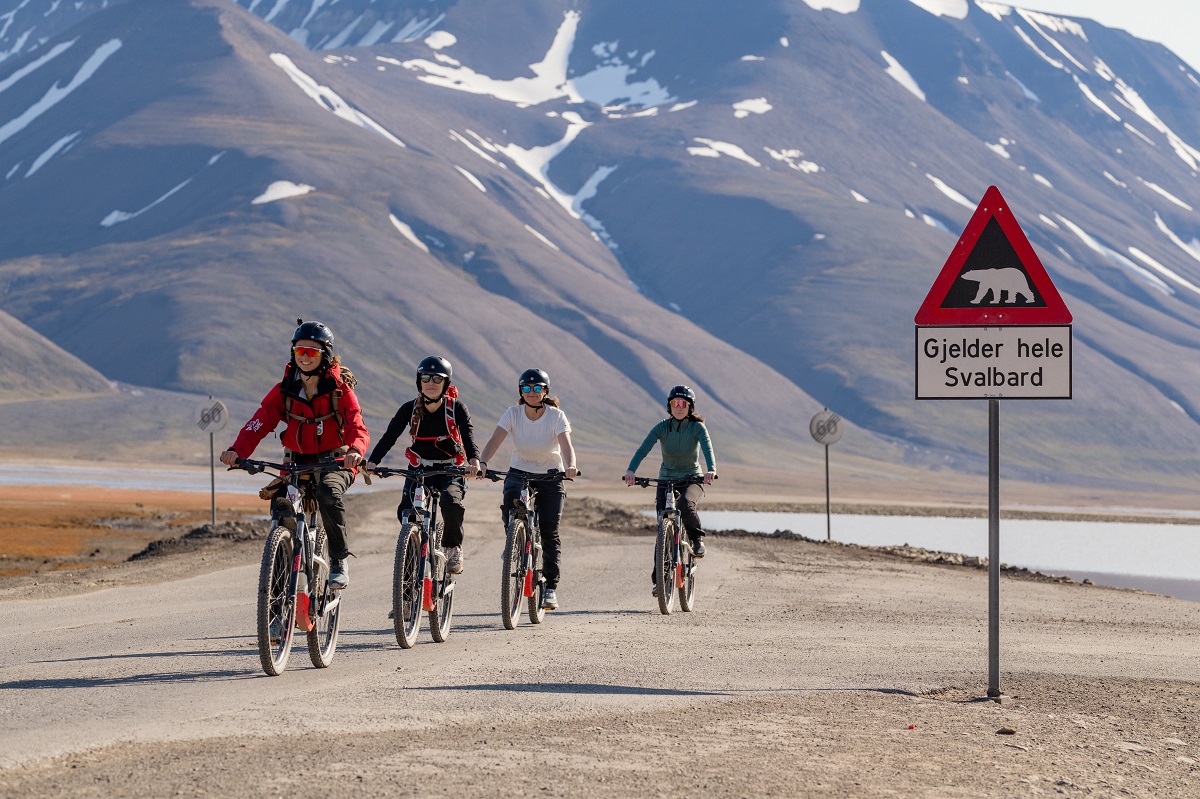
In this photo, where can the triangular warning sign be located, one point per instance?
(993, 277)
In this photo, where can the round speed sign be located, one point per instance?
(826, 427)
(211, 415)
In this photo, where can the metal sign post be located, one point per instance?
(826, 428)
(993, 326)
(211, 417)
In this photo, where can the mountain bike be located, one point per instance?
(420, 581)
(522, 576)
(293, 580)
(674, 560)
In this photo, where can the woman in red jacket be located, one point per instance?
(316, 398)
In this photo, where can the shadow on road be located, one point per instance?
(568, 688)
(222, 675)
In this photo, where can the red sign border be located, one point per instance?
(992, 206)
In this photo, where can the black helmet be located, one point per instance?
(534, 377)
(435, 365)
(314, 331)
(685, 392)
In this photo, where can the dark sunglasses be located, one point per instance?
(435, 379)
(533, 389)
(307, 352)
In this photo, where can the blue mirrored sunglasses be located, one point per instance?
(532, 389)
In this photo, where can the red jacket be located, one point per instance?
(302, 436)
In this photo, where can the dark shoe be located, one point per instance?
(698, 547)
(654, 590)
(339, 578)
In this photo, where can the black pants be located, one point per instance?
(451, 490)
(689, 497)
(549, 503)
(329, 492)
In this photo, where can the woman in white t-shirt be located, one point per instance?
(541, 443)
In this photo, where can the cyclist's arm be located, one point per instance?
(355, 436)
(640, 455)
(264, 421)
(493, 444)
(396, 426)
(568, 451)
(707, 450)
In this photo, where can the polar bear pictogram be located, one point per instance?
(999, 282)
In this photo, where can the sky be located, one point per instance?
(1174, 23)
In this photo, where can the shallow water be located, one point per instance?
(1154, 557)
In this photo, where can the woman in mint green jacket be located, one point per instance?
(681, 438)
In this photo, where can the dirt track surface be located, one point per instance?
(805, 670)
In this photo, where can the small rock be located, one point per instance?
(1006, 731)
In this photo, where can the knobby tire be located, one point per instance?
(276, 601)
(664, 564)
(322, 638)
(687, 594)
(536, 611)
(443, 601)
(406, 586)
(512, 584)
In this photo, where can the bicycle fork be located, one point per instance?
(522, 508)
(677, 544)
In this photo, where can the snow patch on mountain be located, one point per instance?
(32, 66)
(543, 239)
(899, 74)
(474, 180)
(1192, 248)
(282, 190)
(440, 39)
(329, 100)
(1169, 273)
(744, 108)
(840, 6)
(53, 150)
(606, 85)
(715, 149)
(407, 231)
(956, 9)
(793, 158)
(57, 93)
(1156, 188)
(1112, 255)
(954, 195)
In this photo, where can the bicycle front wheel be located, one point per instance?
(406, 586)
(322, 638)
(512, 586)
(276, 602)
(664, 564)
(443, 599)
(536, 611)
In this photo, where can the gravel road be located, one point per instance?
(805, 670)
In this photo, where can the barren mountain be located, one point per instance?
(750, 198)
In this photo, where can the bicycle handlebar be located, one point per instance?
(387, 471)
(553, 474)
(646, 482)
(257, 467)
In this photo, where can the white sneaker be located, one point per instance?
(454, 560)
(549, 600)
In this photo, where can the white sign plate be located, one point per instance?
(1015, 362)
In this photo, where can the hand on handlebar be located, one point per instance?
(352, 459)
(630, 477)
(229, 458)
(709, 477)
(570, 472)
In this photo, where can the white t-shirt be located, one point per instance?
(535, 442)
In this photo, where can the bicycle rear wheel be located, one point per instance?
(443, 600)
(512, 584)
(687, 594)
(406, 586)
(322, 638)
(276, 602)
(536, 611)
(664, 564)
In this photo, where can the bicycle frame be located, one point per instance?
(674, 557)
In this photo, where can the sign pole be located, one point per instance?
(828, 523)
(212, 477)
(993, 548)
